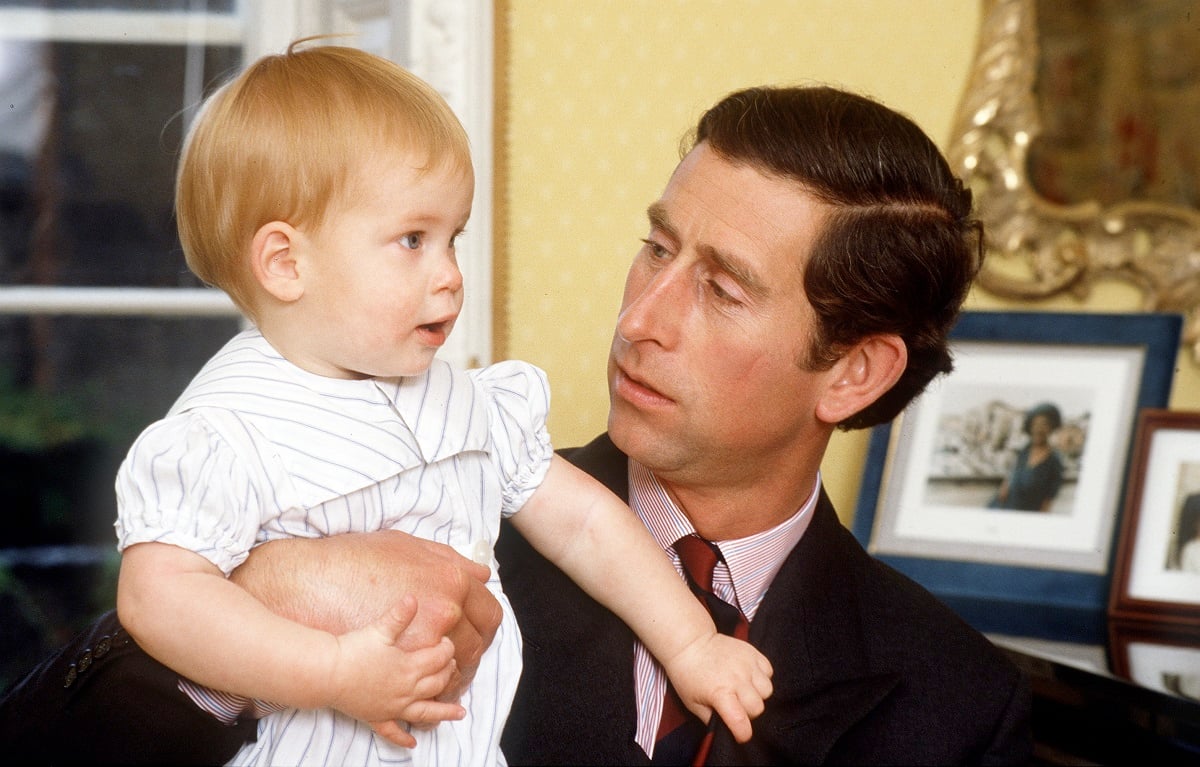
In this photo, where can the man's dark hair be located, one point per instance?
(899, 249)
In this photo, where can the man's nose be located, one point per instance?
(653, 307)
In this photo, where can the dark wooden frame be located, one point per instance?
(1135, 520)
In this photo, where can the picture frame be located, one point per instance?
(1158, 656)
(930, 503)
(1157, 571)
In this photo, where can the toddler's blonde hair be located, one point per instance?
(283, 141)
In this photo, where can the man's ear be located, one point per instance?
(861, 376)
(274, 260)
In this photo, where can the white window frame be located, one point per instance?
(447, 42)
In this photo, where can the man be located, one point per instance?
(801, 272)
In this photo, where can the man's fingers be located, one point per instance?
(482, 610)
(481, 615)
(432, 711)
(470, 621)
(477, 571)
(395, 733)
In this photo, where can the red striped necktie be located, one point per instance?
(682, 738)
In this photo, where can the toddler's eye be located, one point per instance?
(412, 240)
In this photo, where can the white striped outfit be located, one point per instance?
(741, 579)
(256, 449)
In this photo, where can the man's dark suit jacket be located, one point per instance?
(869, 667)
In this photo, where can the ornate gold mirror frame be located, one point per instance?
(1037, 248)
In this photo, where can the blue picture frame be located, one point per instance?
(1037, 597)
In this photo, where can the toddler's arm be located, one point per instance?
(575, 522)
(182, 610)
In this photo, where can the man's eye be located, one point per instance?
(656, 250)
(412, 240)
(721, 293)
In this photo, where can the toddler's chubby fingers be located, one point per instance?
(752, 703)
(397, 619)
(763, 686)
(433, 669)
(765, 666)
(729, 707)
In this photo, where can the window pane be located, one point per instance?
(87, 160)
(97, 378)
(74, 393)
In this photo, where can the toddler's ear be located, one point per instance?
(273, 260)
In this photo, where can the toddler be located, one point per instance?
(323, 190)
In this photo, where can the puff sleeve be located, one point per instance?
(518, 397)
(183, 484)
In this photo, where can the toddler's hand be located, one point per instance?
(374, 680)
(723, 674)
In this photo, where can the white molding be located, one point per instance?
(119, 26)
(156, 302)
(270, 25)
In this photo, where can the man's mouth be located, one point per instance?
(636, 390)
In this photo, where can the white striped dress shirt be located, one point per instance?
(258, 449)
(742, 579)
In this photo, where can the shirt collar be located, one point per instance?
(383, 425)
(752, 561)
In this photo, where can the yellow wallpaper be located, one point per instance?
(598, 96)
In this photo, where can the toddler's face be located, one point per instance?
(383, 289)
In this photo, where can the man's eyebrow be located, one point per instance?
(657, 213)
(737, 269)
(727, 262)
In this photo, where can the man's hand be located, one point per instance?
(347, 582)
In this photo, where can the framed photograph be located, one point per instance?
(1157, 571)
(1002, 483)
(1161, 657)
